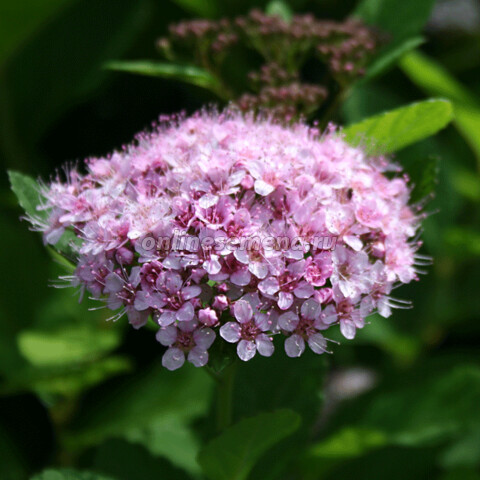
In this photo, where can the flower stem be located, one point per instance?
(225, 397)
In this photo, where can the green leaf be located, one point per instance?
(348, 443)
(126, 461)
(280, 9)
(149, 408)
(68, 380)
(186, 73)
(390, 55)
(27, 191)
(433, 79)
(68, 474)
(68, 345)
(396, 129)
(401, 19)
(232, 455)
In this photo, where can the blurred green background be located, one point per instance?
(400, 401)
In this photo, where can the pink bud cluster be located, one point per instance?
(231, 175)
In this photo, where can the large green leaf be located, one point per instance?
(390, 55)
(232, 455)
(126, 461)
(432, 78)
(396, 129)
(185, 73)
(152, 408)
(27, 191)
(68, 474)
(68, 380)
(69, 345)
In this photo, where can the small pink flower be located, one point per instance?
(248, 331)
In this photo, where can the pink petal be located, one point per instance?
(185, 313)
(304, 290)
(242, 311)
(264, 345)
(311, 309)
(167, 335)
(166, 318)
(285, 300)
(231, 332)
(288, 321)
(198, 357)
(294, 346)
(173, 359)
(269, 286)
(204, 338)
(317, 343)
(246, 350)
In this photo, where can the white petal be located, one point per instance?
(263, 188)
(208, 200)
(294, 346)
(347, 327)
(354, 242)
(246, 350)
(230, 332)
(173, 358)
(259, 269)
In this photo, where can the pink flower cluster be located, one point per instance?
(236, 176)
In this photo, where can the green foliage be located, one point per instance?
(400, 19)
(153, 409)
(27, 191)
(94, 393)
(185, 73)
(394, 130)
(435, 80)
(68, 474)
(232, 455)
(279, 8)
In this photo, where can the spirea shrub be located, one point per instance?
(231, 228)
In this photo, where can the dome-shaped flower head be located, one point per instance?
(231, 228)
